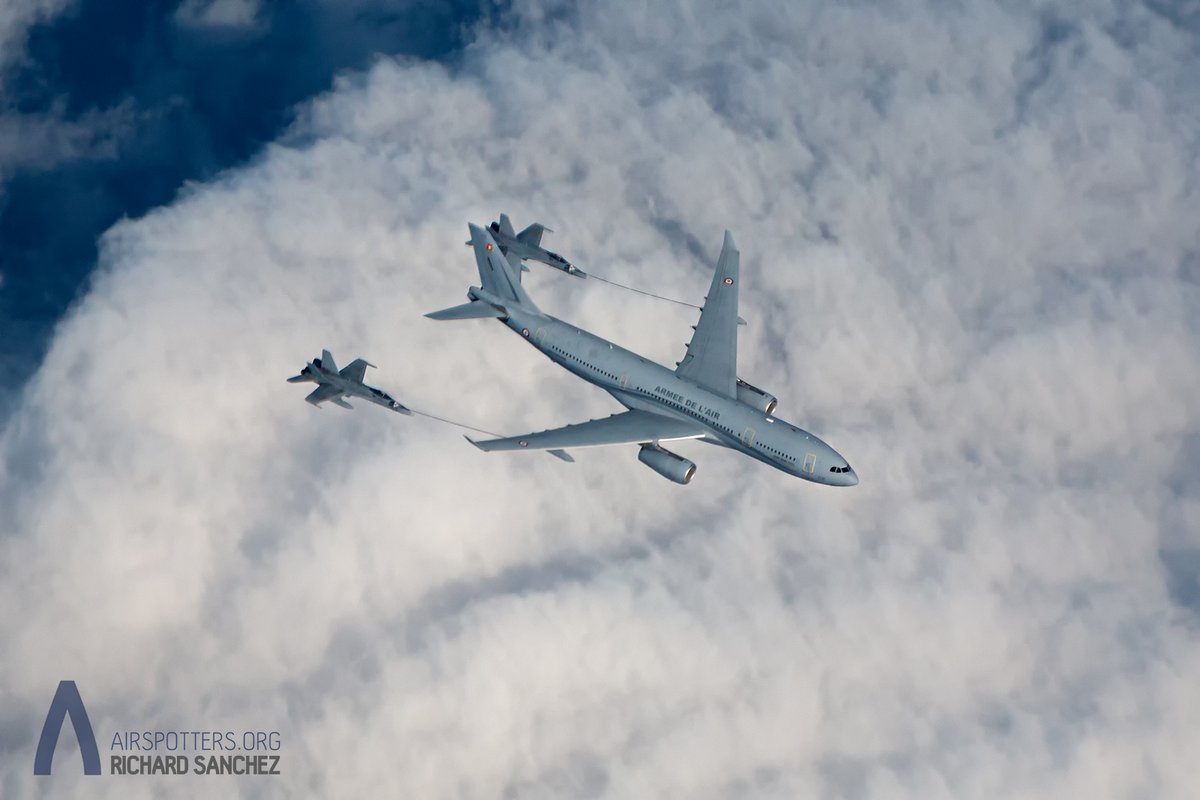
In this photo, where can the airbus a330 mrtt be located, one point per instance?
(701, 399)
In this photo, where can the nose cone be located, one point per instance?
(850, 478)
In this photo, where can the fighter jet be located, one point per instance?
(348, 382)
(702, 398)
(528, 245)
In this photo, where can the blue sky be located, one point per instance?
(157, 102)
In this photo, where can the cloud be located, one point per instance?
(23, 138)
(219, 14)
(17, 16)
(965, 236)
(40, 141)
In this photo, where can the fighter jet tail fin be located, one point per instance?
(532, 235)
(327, 361)
(506, 226)
(476, 309)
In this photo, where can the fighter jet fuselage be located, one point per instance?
(527, 246)
(335, 385)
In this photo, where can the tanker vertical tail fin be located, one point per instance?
(500, 281)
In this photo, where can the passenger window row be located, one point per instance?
(586, 364)
(690, 412)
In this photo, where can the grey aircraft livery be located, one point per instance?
(335, 384)
(528, 245)
(701, 399)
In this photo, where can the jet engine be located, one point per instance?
(755, 397)
(670, 466)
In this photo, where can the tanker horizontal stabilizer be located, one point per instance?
(472, 310)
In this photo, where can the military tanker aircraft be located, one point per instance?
(702, 398)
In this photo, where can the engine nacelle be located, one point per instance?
(755, 397)
(665, 463)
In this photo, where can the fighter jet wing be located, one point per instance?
(355, 370)
(623, 428)
(711, 358)
(325, 391)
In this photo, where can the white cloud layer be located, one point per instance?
(970, 263)
(36, 141)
